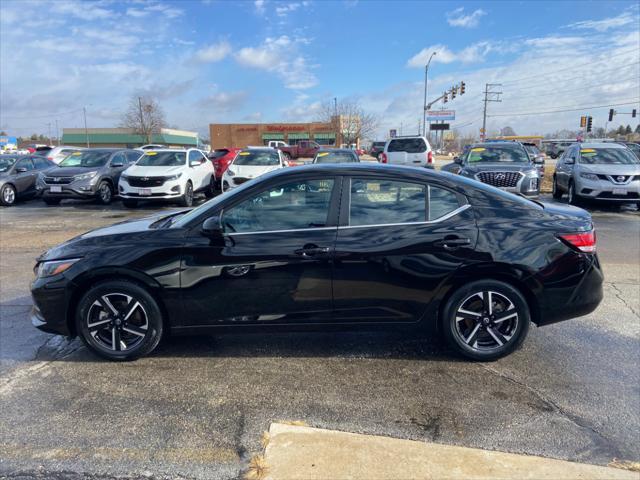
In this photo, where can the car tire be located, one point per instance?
(571, 194)
(105, 193)
(187, 198)
(8, 195)
(130, 203)
(116, 314)
(52, 201)
(210, 191)
(485, 320)
(379, 158)
(286, 156)
(556, 192)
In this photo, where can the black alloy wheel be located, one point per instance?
(210, 191)
(119, 320)
(486, 320)
(105, 193)
(8, 195)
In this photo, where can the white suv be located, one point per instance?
(250, 163)
(167, 174)
(414, 151)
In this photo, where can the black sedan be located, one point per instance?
(341, 245)
(18, 175)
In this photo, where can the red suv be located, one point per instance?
(221, 159)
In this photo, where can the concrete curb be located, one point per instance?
(296, 452)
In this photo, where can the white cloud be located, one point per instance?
(224, 102)
(213, 53)
(81, 10)
(457, 18)
(474, 53)
(168, 11)
(605, 24)
(259, 6)
(281, 56)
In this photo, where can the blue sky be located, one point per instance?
(262, 60)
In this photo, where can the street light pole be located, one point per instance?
(424, 107)
(86, 131)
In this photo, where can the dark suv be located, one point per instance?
(376, 149)
(505, 165)
(92, 173)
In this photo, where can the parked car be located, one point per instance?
(304, 148)
(608, 172)
(502, 164)
(536, 156)
(168, 175)
(251, 163)
(221, 159)
(358, 244)
(376, 149)
(92, 173)
(410, 150)
(336, 155)
(18, 174)
(59, 153)
(556, 149)
(277, 143)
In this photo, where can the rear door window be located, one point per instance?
(409, 145)
(385, 202)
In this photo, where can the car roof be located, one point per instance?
(602, 145)
(259, 149)
(493, 143)
(337, 150)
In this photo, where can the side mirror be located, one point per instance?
(21, 170)
(117, 164)
(211, 227)
(457, 160)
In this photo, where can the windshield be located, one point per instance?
(608, 156)
(334, 157)
(86, 159)
(532, 149)
(497, 154)
(635, 148)
(162, 159)
(6, 163)
(257, 158)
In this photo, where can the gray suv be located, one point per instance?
(92, 173)
(505, 165)
(598, 171)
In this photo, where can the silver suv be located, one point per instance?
(598, 171)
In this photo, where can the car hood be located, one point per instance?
(120, 233)
(610, 169)
(498, 166)
(144, 171)
(252, 171)
(69, 171)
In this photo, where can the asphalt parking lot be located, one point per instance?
(197, 407)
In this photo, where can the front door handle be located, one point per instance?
(452, 242)
(312, 251)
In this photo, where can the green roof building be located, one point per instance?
(127, 138)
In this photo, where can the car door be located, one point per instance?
(117, 165)
(25, 176)
(196, 173)
(398, 242)
(273, 264)
(564, 168)
(205, 170)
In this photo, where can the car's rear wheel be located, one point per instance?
(105, 193)
(119, 320)
(486, 320)
(52, 201)
(556, 192)
(210, 191)
(187, 198)
(8, 195)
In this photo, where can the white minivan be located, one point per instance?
(414, 151)
(167, 174)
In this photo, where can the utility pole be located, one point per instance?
(419, 129)
(424, 111)
(400, 128)
(49, 136)
(86, 131)
(490, 95)
(336, 120)
(57, 133)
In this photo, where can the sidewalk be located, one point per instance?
(295, 452)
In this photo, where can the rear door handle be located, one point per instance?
(309, 252)
(452, 243)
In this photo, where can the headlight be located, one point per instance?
(54, 267)
(85, 176)
(230, 172)
(124, 177)
(173, 177)
(589, 176)
(533, 184)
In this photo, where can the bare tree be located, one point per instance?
(349, 120)
(145, 116)
(507, 132)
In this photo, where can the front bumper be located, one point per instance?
(50, 302)
(78, 190)
(527, 185)
(168, 190)
(607, 191)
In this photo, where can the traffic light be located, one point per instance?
(462, 85)
(611, 114)
(445, 98)
(633, 113)
(589, 122)
(583, 121)
(453, 92)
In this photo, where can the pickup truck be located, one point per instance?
(305, 148)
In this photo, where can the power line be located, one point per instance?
(573, 67)
(575, 109)
(537, 95)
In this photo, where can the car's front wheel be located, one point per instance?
(572, 198)
(119, 320)
(486, 319)
(105, 193)
(8, 195)
(187, 198)
(556, 192)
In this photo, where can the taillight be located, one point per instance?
(50, 158)
(585, 242)
(383, 157)
(430, 157)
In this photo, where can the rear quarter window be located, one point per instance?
(441, 202)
